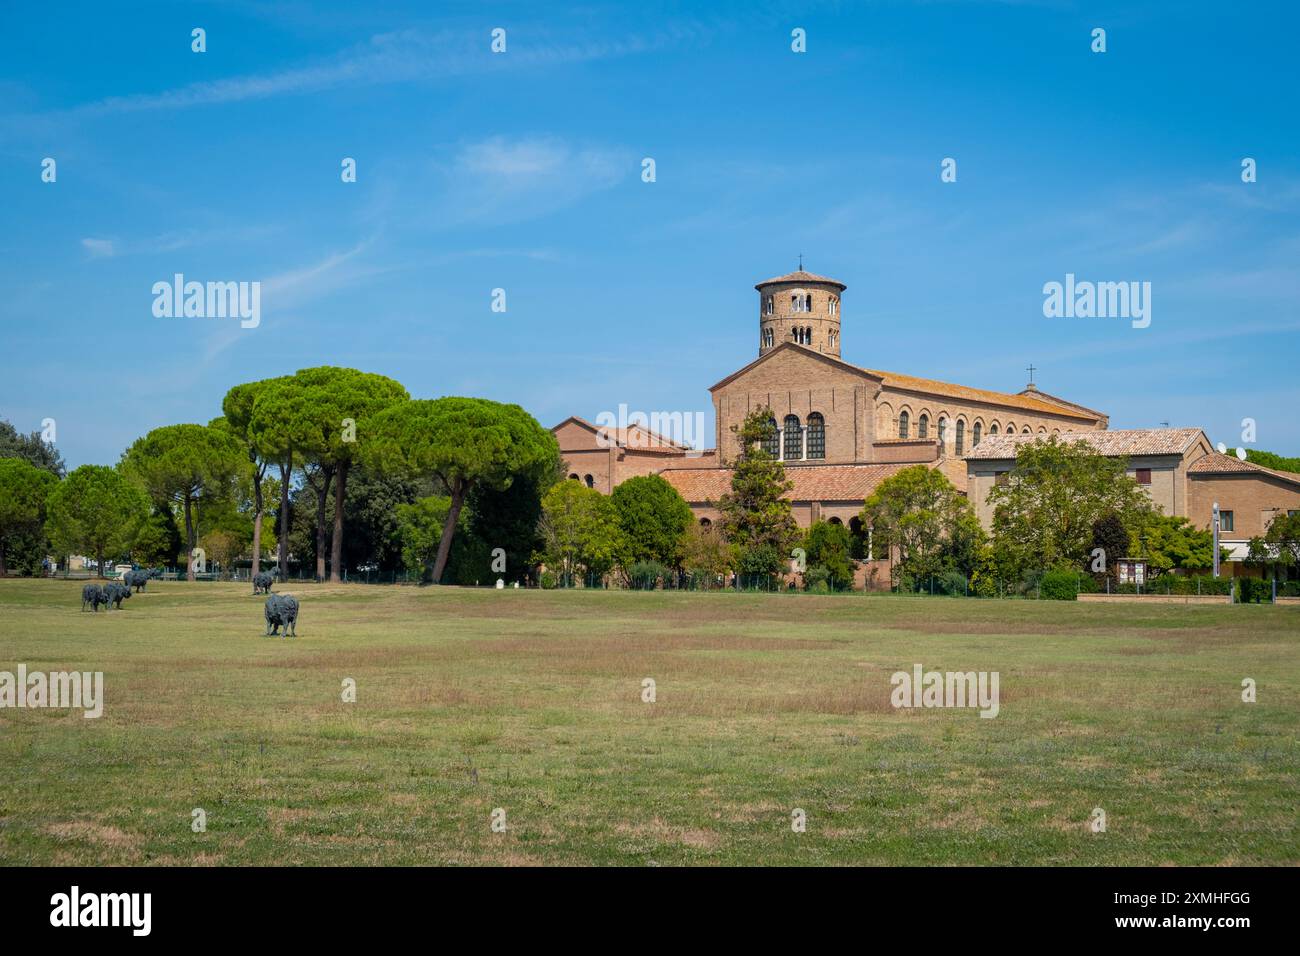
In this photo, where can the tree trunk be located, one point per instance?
(258, 507)
(189, 541)
(322, 496)
(448, 531)
(3, 569)
(336, 546)
(286, 469)
(99, 561)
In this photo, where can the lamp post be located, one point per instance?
(1216, 539)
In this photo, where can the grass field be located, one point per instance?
(530, 701)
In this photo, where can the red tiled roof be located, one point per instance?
(1217, 464)
(811, 482)
(801, 276)
(1120, 442)
(932, 386)
(633, 436)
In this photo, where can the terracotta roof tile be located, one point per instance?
(633, 436)
(801, 276)
(1217, 464)
(1120, 442)
(811, 482)
(935, 387)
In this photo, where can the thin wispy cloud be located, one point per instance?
(400, 57)
(99, 248)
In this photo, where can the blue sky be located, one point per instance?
(522, 170)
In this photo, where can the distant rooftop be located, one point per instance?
(811, 482)
(1116, 443)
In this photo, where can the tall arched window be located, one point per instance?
(772, 444)
(1011, 428)
(1026, 430)
(792, 441)
(943, 433)
(902, 424)
(591, 482)
(993, 429)
(816, 436)
(961, 437)
(975, 437)
(573, 477)
(923, 427)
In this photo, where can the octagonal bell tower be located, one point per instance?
(802, 308)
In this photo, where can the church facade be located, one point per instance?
(842, 429)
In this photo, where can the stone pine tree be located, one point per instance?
(96, 510)
(756, 516)
(238, 410)
(343, 400)
(280, 428)
(465, 443)
(24, 490)
(186, 466)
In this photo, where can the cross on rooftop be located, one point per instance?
(1031, 370)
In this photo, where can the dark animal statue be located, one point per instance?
(262, 582)
(139, 578)
(281, 610)
(115, 594)
(93, 595)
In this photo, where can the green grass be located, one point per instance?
(531, 701)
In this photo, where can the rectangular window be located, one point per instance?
(1225, 521)
(1000, 478)
(1144, 476)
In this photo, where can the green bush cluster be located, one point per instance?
(1254, 591)
(1060, 584)
(645, 575)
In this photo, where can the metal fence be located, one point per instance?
(1236, 590)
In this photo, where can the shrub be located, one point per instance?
(1198, 584)
(951, 582)
(645, 575)
(983, 584)
(1059, 584)
(817, 580)
(548, 580)
(1254, 591)
(829, 545)
(758, 565)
